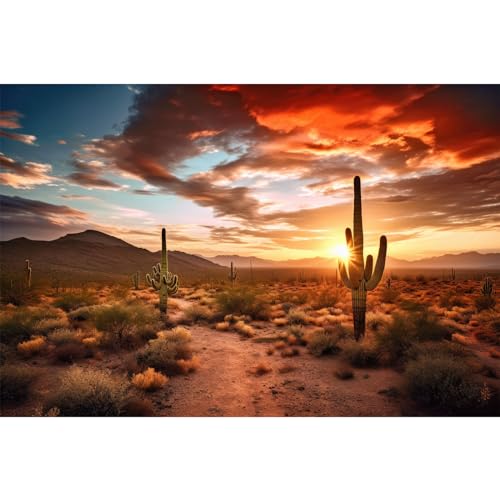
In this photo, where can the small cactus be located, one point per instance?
(487, 287)
(162, 280)
(388, 283)
(232, 274)
(362, 277)
(135, 280)
(27, 274)
(452, 274)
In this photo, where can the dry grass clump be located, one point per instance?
(484, 302)
(244, 329)
(63, 336)
(189, 365)
(164, 352)
(195, 313)
(451, 299)
(223, 326)
(326, 296)
(73, 300)
(325, 340)
(89, 393)
(389, 295)
(344, 373)
(260, 369)
(149, 380)
(31, 347)
(298, 317)
(280, 321)
(16, 382)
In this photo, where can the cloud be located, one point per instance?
(61, 141)
(10, 120)
(27, 175)
(20, 216)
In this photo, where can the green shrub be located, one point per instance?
(241, 301)
(164, 352)
(15, 382)
(442, 383)
(70, 301)
(89, 393)
(395, 339)
(359, 354)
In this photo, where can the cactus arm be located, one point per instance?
(343, 274)
(368, 267)
(379, 266)
(152, 282)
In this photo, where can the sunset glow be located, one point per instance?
(254, 170)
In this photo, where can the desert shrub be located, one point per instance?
(297, 317)
(125, 325)
(296, 331)
(344, 373)
(443, 348)
(260, 369)
(5, 353)
(138, 407)
(195, 313)
(241, 300)
(450, 299)
(21, 323)
(375, 321)
(395, 338)
(70, 352)
(484, 302)
(223, 326)
(389, 295)
(442, 383)
(31, 347)
(164, 352)
(325, 297)
(189, 365)
(280, 321)
(89, 393)
(70, 301)
(15, 382)
(16, 292)
(325, 340)
(82, 313)
(426, 326)
(63, 336)
(149, 380)
(359, 354)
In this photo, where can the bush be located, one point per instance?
(164, 352)
(125, 326)
(70, 352)
(444, 349)
(325, 340)
(137, 407)
(15, 382)
(450, 299)
(325, 297)
(484, 302)
(426, 326)
(149, 380)
(244, 329)
(89, 393)
(21, 323)
(63, 336)
(297, 317)
(195, 313)
(73, 300)
(395, 339)
(442, 383)
(359, 354)
(241, 301)
(389, 295)
(31, 347)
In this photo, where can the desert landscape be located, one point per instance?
(249, 284)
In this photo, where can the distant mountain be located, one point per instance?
(467, 260)
(95, 254)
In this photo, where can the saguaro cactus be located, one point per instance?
(362, 277)
(27, 274)
(232, 274)
(162, 280)
(135, 280)
(487, 287)
(452, 274)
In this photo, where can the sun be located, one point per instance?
(340, 251)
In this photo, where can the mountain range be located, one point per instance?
(99, 255)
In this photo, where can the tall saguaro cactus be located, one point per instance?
(232, 274)
(362, 277)
(162, 280)
(27, 274)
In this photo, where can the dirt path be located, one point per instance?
(302, 385)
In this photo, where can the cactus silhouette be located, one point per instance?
(487, 287)
(452, 274)
(27, 271)
(232, 274)
(361, 277)
(162, 280)
(135, 280)
(388, 283)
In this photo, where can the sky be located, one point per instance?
(263, 170)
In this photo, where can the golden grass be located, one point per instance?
(149, 380)
(33, 346)
(189, 365)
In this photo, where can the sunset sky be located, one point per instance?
(254, 170)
